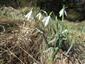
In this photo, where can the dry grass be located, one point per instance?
(25, 45)
(21, 47)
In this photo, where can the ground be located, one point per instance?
(22, 43)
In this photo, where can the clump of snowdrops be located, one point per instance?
(55, 32)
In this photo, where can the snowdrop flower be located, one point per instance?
(62, 12)
(46, 20)
(65, 31)
(39, 16)
(29, 16)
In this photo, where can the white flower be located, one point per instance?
(62, 12)
(29, 16)
(39, 16)
(65, 31)
(46, 20)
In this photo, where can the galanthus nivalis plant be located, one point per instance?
(62, 12)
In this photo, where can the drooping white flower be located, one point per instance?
(65, 31)
(39, 16)
(29, 16)
(62, 12)
(46, 20)
(65, 12)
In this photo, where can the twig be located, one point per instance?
(30, 56)
(15, 56)
(69, 49)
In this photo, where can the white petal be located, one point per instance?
(28, 15)
(64, 31)
(46, 20)
(65, 13)
(39, 16)
(61, 12)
